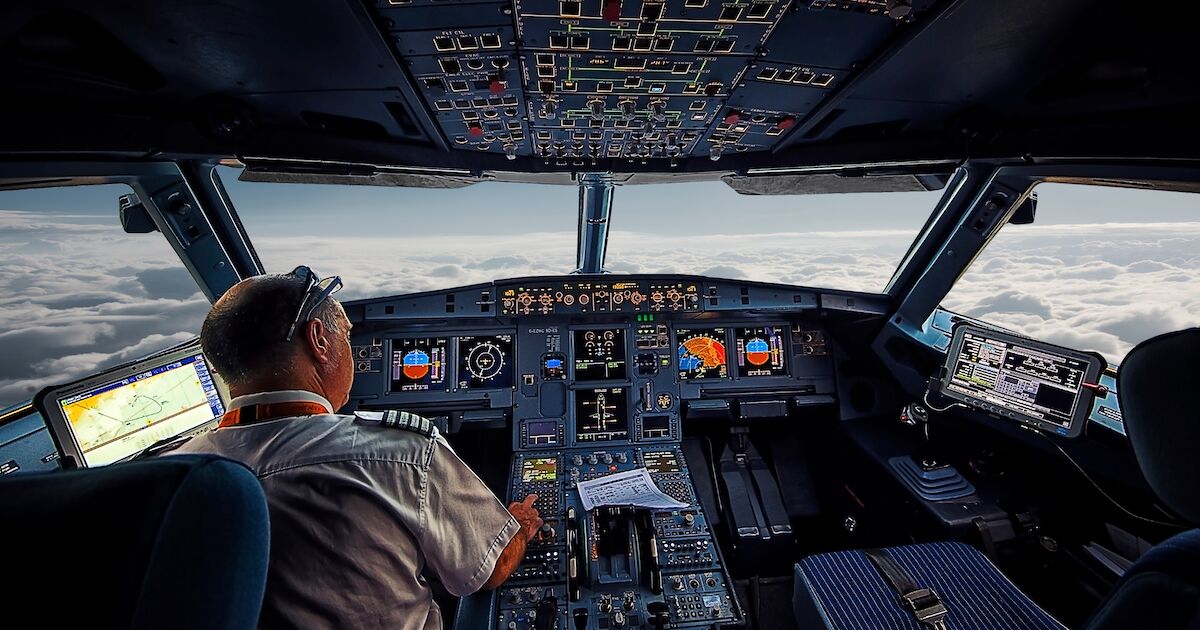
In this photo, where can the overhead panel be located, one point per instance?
(580, 82)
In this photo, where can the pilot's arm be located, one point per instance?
(467, 536)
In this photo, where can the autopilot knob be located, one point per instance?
(608, 458)
(689, 519)
(622, 458)
(592, 459)
(577, 460)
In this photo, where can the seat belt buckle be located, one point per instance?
(926, 606)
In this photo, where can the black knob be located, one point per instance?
(659, 614)
(580, 616)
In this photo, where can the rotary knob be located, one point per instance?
(622, 458)
(592, 459)
(618, 619)
(608, 459)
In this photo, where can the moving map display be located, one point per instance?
(701, 353)
(419, 364)
(485, 362)
(118, 419)
(601, 414)
(600, 354)
(1019, 378)
(760, 351)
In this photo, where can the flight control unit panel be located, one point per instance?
(595, 377)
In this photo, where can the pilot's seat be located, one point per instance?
(847, 589)
(176, 542)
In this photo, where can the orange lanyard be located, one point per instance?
(261, 413)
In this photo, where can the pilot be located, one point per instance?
(359, 504)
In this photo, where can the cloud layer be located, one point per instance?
(79, 295)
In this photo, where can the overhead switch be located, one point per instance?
(611, 11)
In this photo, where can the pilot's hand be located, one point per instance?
(527, 516)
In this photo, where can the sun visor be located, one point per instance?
(829, 183)
(346, 174)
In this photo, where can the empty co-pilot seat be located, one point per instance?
(845, 590)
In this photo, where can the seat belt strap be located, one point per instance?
(924, 603)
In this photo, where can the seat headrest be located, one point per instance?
(1157, 387)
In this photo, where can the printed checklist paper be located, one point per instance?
(633, 487)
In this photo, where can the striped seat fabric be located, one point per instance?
(843, 590)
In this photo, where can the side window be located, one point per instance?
(1100, 269)
(78, 294)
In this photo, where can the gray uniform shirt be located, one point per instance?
(357, 512)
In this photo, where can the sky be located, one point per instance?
(1100, 270)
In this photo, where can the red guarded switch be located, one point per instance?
(611, 11)
(496, 86)
(786, 122)
(474, 129)
(733, 117)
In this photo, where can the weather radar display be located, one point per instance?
(485, 362)
(701, 353)
(419, 364)
(760, 351)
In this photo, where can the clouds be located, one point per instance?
(1094, 287)
(78, 295)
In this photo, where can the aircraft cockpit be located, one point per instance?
(790, 314)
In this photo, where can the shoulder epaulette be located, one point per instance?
(402, 420)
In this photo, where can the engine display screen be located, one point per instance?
(760, 351)
(701, 353)
(485, 362)
(1020, 378)
(601, 414)
(419, 364)
(537, 469)
(600, 355)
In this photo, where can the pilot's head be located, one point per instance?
(275, 332)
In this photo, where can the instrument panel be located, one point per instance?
(566, 363)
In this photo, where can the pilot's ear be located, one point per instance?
(318, 340)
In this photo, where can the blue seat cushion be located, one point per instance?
(843, 589)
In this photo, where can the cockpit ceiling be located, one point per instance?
(636, 86)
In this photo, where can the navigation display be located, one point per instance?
(485, 362)
(600, 355)
(701, 353)
(539, 469)
(115, 420)
(760, 351)
(601, 414)
(1019, 378)
(419, 364)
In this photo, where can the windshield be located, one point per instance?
(397, 240)
(1101, 269)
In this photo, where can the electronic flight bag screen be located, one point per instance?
(109, 420)
(1025, 380)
